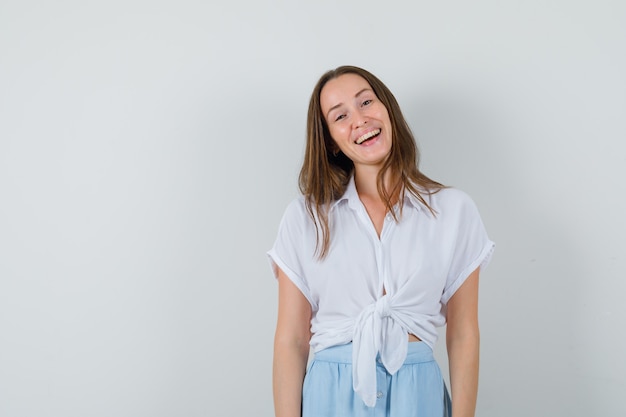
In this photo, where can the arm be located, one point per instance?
(291, 347)
(463, 339)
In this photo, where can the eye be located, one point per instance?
(339, 117)
(367, 102)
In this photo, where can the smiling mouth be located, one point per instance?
(368, 136)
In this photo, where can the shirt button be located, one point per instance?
(379, 360)
(379, 394)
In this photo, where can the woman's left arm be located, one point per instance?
(463, 343)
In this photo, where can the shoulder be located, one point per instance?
(296, 208)
(296, 213)
(450, 200)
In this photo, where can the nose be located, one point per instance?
(359, 120)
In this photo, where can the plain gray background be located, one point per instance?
(149, 148)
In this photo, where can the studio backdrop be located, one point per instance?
(149, 148)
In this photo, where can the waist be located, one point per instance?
(413, 338)
(417, 352)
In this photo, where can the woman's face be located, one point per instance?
(357, 120)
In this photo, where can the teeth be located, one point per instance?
(367, 136)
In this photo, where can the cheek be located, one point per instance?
(385, 116)
(337, 133)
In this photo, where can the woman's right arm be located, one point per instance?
(291, 347)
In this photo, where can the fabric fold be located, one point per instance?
(377, 333)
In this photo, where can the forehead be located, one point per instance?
(341, 89)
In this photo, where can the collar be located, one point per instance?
(414, 201)
(351, 196)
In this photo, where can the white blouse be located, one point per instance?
(417, 263)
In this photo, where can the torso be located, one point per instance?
(416, 260)
(376, 211)
(413, 338)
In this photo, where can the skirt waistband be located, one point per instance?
(417, 352)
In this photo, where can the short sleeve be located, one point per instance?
(288, 252)
(472, 247)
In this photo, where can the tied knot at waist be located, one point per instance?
(378, 331)
(382, 307)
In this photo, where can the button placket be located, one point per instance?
(382, 381)
(383, 246)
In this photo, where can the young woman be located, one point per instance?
(370, 260)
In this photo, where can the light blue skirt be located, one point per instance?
(416, 390)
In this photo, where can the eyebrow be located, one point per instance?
(341, 104)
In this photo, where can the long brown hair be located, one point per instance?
(325, 175)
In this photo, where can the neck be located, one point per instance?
(365, 180)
